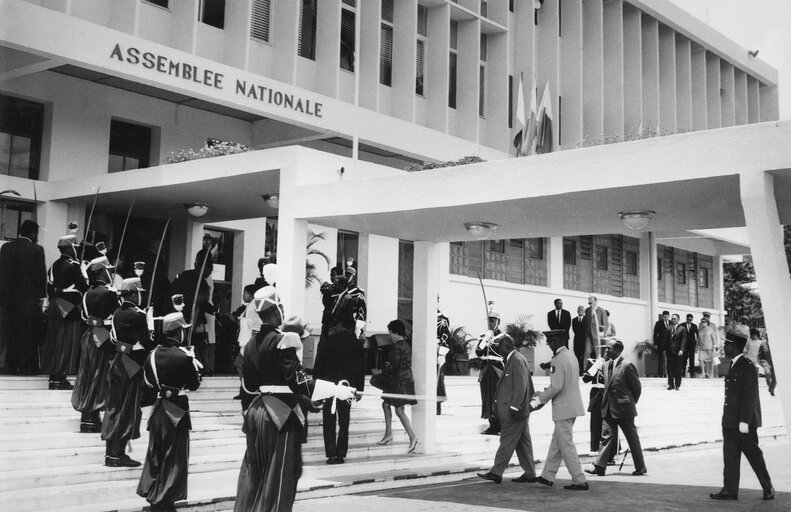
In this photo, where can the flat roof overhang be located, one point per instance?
(690, 180)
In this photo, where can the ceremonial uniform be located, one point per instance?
(352, 299)
(169, 370)
(130, 336)
(89, 395)
(598, 427)
(276, 397)
(443, 335)
(491, 371)
(67, 284)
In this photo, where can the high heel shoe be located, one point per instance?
(384, 441)
(413, 445)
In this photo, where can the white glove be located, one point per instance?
(150, 318)
(190, 351)
(743, 427)
(344, 392)
(535, 403)
(595, 367)
(440, 360)
(359, 327)
(486, 338)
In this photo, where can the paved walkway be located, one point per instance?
(678, 480)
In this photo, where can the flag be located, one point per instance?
(519, 138)
(532, 123)
(544, 131)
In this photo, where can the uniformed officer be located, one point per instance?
(169, 370)
(741, 417)
(443, 335)
(66, 285)
(564, 392)
(130, 335)
(491, 370)
(89, 395)
(599, 429)
(276, 397)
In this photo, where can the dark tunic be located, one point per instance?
(443, 334)
(491, 369)
(164, 477)
(22, 285)
(398, 374)
(90, 388)
(275, 424)
(123, 413)
(67, 284)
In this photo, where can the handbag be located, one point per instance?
(379, 381)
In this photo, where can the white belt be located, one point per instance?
(599, 386)
(492, 358)
(275, 389)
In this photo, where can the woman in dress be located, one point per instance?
(707, 345)
(399, 381)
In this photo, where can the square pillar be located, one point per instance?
(51, 217)
(555, 271)
(292, 236)
(649, 280)
(771, 268)
(424, 342)
(378, 277)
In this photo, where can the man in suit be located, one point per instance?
(514, 390)
(741, 417)
(339, 357)
(578, 328)
(596, 322)
(691, 333)
(661, 337)
(559, 318)
(564, 392)
(618, 408)
(23, 292)
(675, 350)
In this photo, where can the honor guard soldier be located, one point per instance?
(491, 370)
(276, 397)
(169, 370)
(89, 395)
(357, 295)
(443, 335)
(131, 337)
(66, 285)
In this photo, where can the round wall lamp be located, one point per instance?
(196, 210)
(636, 220)
(480, 230)
(272, 200)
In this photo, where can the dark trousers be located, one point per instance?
(610, 441)
(734, 443)
(661, 363)
(689, 360)
(675, 369)
(336, 446)
(579, 352)
(600, 430)
(515, 437)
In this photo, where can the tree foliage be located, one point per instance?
(470, 159)
(740, 298)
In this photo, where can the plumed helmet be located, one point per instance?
(265, 298)
(173, 322)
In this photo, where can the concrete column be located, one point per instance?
(292, 235)
(443, 287)
(555, 271)
(424, 346)
(771, 268)
(649, 284)
(194, 243)
(719, 291)
(378, 277)
(52, 216)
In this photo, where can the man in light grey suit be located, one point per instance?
(514, 390)
(596, 322)
(564, 391)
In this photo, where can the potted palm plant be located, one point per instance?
(457, 361)
(525, 337)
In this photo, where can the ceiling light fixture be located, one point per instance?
(636, 220)
(480, 230)
(196, 210)
(272, 200)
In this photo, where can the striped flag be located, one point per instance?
(519, 138)
(544, 133)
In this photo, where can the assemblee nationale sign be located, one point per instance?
(165, 65)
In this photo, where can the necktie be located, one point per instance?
(558, 316)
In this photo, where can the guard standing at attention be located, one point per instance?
(491, 370)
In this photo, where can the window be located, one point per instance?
(130, 146)
(497, 246)
(510, 101)
(659, 270)
(161, 3)
(601, 257)
(517, 242)
(306, 45)
(535, 248)
(21, 126)
(420, 58)
(681, 273)
(347, 35)
(703, 277)
(569, 251)
(259, 24)
(386, 44)
(12, 215)
(484, 9)
(511, 5)
(213, 13)
(454, 33)
(631, 263)
(482, 78)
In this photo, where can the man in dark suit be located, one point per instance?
(741, 417)
(559, 318)
(23, 289)
(675, 350)
(340, 357)
(662, 334)
(691, 332)
(514, 390)
(618, 408)
(578, 328)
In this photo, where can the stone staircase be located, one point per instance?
(46, 464)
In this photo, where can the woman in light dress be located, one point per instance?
(708, 346)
